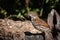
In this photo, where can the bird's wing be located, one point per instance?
(41, 22)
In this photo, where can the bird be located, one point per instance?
(40, 25)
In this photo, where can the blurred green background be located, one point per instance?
(16, 9)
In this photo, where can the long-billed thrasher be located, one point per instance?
(41, 25)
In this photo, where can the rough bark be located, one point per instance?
(14, 30)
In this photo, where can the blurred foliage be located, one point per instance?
(21, 7)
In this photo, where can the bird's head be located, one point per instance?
(32, 14)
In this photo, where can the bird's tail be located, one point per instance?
(48, 36)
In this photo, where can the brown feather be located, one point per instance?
(41, 22)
